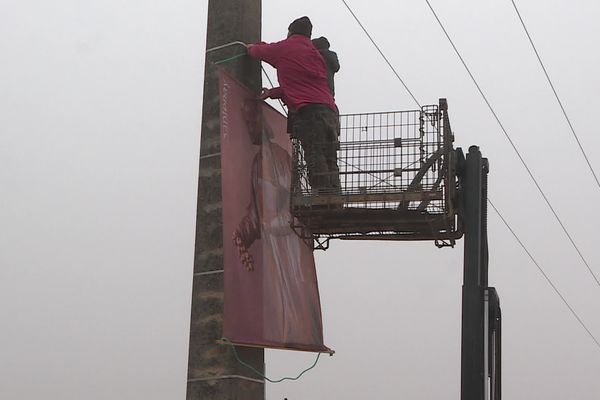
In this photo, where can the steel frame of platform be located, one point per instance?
(398, 180)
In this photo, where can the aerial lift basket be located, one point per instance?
(398, 180)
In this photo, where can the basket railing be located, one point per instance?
(399, 161)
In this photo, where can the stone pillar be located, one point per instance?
(213, 372)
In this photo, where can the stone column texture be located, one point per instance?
(213, 371)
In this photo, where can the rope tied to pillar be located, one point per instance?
(227, 342)
(223, 46)
(226, 45)
(238, 43)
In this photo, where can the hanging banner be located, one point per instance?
(271, 293)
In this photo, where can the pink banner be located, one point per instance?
(271, 293)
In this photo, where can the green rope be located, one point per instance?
(227, 342)
(229, 59)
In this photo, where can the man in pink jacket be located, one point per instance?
(304, 88)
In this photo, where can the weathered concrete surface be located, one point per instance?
(228, 21)
(225, 389)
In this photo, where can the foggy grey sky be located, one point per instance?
(99, 139)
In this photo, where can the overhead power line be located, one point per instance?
(382, 55)
(493, 206)
(516, 150)
(546, 277)
(537, 54)
(271, 83)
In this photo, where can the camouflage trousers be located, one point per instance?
(317, 127)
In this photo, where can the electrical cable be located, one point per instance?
(515, 149)
(227, 342)
(490, 202)
(382, 55)
(271, 83)
(537, 54)
(545, 275)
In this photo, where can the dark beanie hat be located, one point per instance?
(321, 43)
(301, 26)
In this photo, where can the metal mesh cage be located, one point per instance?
(395, 173)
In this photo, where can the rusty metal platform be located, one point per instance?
(397, 172)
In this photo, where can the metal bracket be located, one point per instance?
(320, 243)
(441, 243)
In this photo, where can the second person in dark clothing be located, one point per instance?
(302, 74)
(331, 60)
